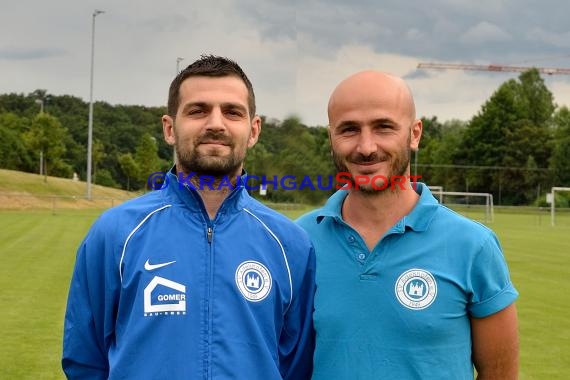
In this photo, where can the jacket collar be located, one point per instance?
(179, 188)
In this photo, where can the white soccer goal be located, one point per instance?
(552, 206)
(488, 198)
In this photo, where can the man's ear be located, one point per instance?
(168, 129)
(255, 131)
(416, 134)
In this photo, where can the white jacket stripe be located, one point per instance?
(282, 251)
(131, 234)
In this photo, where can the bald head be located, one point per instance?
(372, 90)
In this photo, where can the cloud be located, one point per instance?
(549, 38)
(175, 24)
(484, 32)
(274, 19)
(417, 74)
(294, 52)
(441, 30)
(24, 54)
(560, 90)
(317, 76)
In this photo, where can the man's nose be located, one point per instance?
(216, 120)
(366, 143)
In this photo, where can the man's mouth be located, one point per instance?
(214, 142)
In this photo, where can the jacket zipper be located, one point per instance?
(207, 359)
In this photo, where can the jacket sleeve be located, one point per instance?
(89, 326)
(297, 340)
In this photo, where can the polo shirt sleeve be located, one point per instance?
(490, 284)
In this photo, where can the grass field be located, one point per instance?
(19, 190)
(37, 252)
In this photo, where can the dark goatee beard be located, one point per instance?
(191, 161)
(217, 167)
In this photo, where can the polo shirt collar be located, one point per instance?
(423, 212)
(333, 206)
(418, 219)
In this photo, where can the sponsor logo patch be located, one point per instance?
(164, 297)
(416, 289)
(253, 280)
(149, 266)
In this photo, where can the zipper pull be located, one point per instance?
(210, 234)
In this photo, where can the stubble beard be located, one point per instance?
(218, 167)
(398, 168)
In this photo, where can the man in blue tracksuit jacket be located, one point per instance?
(197, 280)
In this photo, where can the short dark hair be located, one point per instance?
(209, 66)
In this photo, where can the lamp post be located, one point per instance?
(41, 103)
(178, 60)
(90, 128)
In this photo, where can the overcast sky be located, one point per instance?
(295, 52)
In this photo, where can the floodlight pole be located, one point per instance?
(90, 127)
(178, 60)
(41, 103)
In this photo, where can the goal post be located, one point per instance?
(489, 207)
(552, 204)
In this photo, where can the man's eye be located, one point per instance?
(349, 130)
(384, 128)
(235, 113)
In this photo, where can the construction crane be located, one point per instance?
(500, 68)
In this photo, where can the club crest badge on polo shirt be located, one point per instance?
(253, 280)
(416, 289)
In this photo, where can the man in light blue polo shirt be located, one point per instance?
(406, 288)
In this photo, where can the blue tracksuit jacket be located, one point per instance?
(160, 291)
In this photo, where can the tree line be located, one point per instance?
(516, 147)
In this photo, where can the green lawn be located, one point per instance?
(37, 251)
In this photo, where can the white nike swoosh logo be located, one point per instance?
(149, 266)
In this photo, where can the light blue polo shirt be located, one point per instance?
(401, 311)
